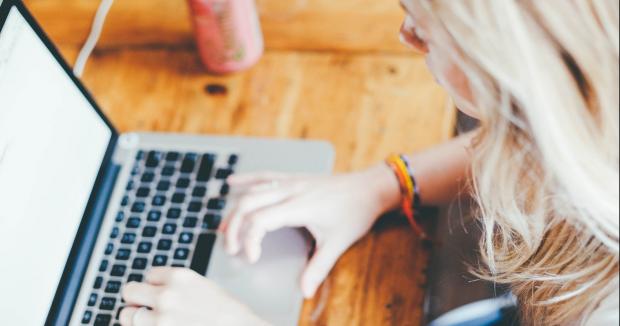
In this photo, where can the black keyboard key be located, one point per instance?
(143, 192)
(178, 198)
(103, 320)
(139, 263)
(163, 185)
(233, 159)
(135, 170)
(168, 171)
(159, 200)
(135, 277)
(113, 287)
(174, 213)
(139, 155)
(183, 183)
(164, 244)
(107, 303)
(128, 238)
(223, 174)
(216, 203)
(118, 270)
(178, 265)
(194, 207)
(120, 216)
(145, 247)
(202, 253)
(153, 216)
(133, 222)
(169, 228)
(114, 233)
(138, 207)
(109, 249)
(160, 260)
(153, 159)
(173, 156)
(199, 191)
(123, 254)
(225, 189)
(104, 265)
(87, 317)
(190, 222)
(149, 231)
(181, 254)
(188, 165)
(186, 237)
(98, 283)
(148, 177)
(206, 167)
(212, 221)
(130, 185)
(125, 201)
(92, 300)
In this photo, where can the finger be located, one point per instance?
(264, 221)
(319, 267)
(248, 204)
(257, 188)
(141, 294)
(159, 275)
(254, 178)
(133, 316)
(170, 275)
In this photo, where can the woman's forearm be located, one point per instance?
(441, 173)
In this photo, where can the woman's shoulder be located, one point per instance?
(607, 313)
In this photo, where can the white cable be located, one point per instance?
(93, 37)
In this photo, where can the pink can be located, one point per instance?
(228, 34)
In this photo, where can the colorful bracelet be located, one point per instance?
(416, 189)
(403, 170)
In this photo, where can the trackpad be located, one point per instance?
(271, 286)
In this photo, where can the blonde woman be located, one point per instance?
(541, 76)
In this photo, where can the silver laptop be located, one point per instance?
(84, 209)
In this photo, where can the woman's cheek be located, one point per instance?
(453, 79)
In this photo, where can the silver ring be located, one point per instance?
(135, 315)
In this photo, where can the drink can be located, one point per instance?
(228, 34)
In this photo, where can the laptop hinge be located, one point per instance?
(71, 282)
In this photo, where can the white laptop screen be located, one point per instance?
(52, 144)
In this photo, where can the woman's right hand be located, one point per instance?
(336, 210)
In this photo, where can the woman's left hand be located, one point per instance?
(177, 296)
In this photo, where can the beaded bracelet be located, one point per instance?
(403, 170)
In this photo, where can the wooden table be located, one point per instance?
(333, 70)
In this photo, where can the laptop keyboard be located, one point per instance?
(168, 217)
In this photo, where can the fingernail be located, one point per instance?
(254, 258)
(307, 292)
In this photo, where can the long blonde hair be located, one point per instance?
(543, 75)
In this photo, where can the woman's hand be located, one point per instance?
(179, 296)
(337, 210)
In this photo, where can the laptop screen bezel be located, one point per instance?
(84, 241)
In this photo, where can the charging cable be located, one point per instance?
(93, 37)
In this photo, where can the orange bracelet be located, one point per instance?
(407, 189)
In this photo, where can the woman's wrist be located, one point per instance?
(385, 188)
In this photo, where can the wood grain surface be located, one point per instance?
(333, 70)
(326, 25)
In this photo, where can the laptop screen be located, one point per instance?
(52, 144)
